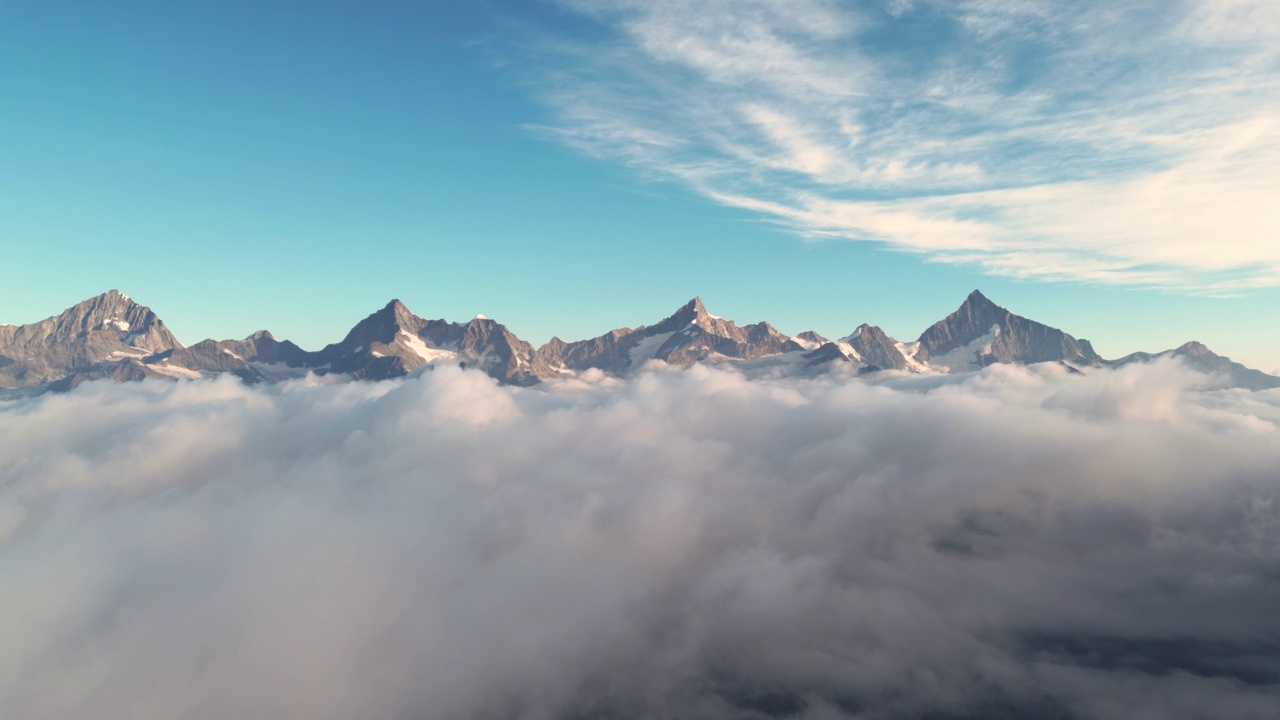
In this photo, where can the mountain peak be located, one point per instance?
(980, 332)
(691, 312)
(397, 312)
(976, 298)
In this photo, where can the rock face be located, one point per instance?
(1200, 358)
(112, 337)
(689, 335)
(876, 348)
(86, 339)
(980, 333)
(393, 342)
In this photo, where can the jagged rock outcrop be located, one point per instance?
(810, 340)
(244, 358)
(104, 329)
(393, 342)
(980, 333)
(689, 335)
(112, 337)
(874, 347)
(828, 352)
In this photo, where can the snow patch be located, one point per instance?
(806, 344)
(968, 357)
(847, 349)
(419, 348)
(909, 351)
(647, 349)
(174, 370)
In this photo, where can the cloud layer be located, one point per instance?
(1081, 141)
(685, 544)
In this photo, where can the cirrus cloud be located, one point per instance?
(1128, 144)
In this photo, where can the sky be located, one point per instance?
(571, 166)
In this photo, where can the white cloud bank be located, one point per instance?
(1131, 144)
(1015, 543)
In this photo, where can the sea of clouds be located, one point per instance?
(1015, 543)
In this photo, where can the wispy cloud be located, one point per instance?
(1127, 144)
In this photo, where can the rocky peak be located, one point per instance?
(690, 312)
(382, 326)
(876, 348)
(811, 336)
(1193, 349)
(976, 299)
(398, 312)
(981, 332)
(110, 325)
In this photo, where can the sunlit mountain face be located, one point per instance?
(111, 336)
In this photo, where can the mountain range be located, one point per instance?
(111, 336)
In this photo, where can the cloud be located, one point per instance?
(1086, 141)
(682, 544)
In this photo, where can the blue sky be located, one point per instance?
(566, 167)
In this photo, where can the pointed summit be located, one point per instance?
(877, 349)
(977, 296)
(981, 332)
(691, 311)
(96, 330)
(397, 310)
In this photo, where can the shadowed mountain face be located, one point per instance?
(688, 336)
(112, 337)
(393, 341)
(250, 359)
(980, 333)
(876, 348)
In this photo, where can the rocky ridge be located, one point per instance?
(112, 337)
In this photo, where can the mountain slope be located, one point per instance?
(250, 358)
(980, 333)
(112, 337)
(393, 342)
(689, 335)
(1200, 358)
(877, 349)
(100, 331)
